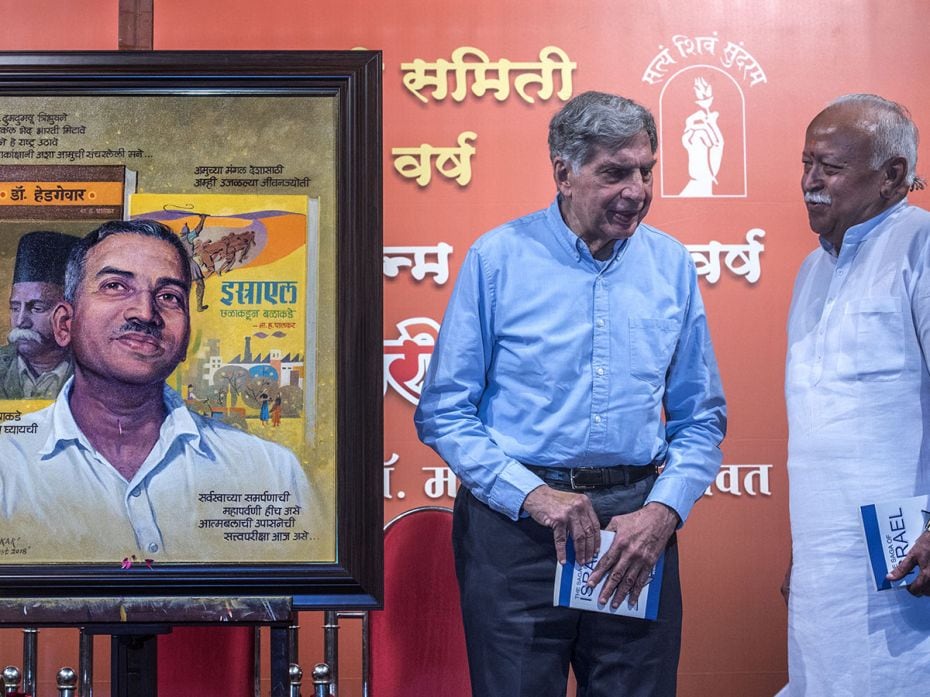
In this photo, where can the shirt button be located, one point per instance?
(136, 492)
(597, 418)
(600, 371)
(601, 323)
(153, 547)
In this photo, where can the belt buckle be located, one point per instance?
(586, 478)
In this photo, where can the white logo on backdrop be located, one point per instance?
(702, 105)
(703, 142)
(406, 357)
(422, 261)
(718, 98)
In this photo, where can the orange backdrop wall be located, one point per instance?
(468, 91)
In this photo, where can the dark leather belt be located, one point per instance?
(584, 478)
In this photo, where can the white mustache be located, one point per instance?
(817, 197)
(20, 334)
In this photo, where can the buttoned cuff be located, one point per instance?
(673, 493)
(511, 488)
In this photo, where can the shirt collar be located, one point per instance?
(571, 242)
(178, 423)
(857, 233)
(59, 370)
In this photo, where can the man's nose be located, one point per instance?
(634, 187)
(22, 318)
(144, 308)
(810, 179)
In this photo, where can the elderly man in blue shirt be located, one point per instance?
(574, 388)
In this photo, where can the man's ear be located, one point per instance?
(62, 314)
(560, 173)
(894, 184)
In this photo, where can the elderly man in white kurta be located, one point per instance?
(858, 392)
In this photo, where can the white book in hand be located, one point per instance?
(571, 589)
(890, 529)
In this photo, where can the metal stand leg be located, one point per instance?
(134, 657)
(296, 676)
(86, 663)
(331, 649)
(293, 649)
(134, 660)
(256, 662)
(366, 649)
(280, 663)
(30, 659)
(134, 665)
(322, 680)
(11, 679)
(366, 656)
(67, 681)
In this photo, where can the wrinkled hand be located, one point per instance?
(640, 538)
(567, 514)
(918, 556)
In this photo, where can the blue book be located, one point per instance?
(890, 529)
(571, 589)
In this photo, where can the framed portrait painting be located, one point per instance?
(190, 383)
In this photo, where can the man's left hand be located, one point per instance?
(918, 556)
(640, 538)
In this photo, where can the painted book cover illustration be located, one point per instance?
(232, 476)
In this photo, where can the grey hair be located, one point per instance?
(77, 259)
(894, 133)
(597, 119)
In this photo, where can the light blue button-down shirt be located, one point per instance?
(550, 357)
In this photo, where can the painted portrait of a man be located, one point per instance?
(33, 365)
(118, 466)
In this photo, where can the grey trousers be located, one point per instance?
(519, 645)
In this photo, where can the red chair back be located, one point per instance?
(206, 662)
(417, 641)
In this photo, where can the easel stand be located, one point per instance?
(134, 625)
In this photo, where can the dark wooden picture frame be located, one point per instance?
(353, 80)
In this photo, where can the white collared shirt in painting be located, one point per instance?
(206, 492)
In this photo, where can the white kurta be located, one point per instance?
(858, 394)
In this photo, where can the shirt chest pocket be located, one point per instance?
(875, 337)
(652, 343)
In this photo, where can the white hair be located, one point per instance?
(894, 133)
